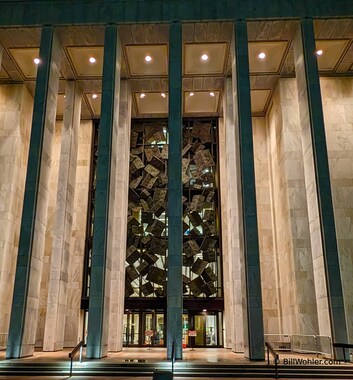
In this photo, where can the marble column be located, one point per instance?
(59, 268)
(253, 319)
(232, 239)
(290, 215)
(328, 282)
(16, 105)
(121, 139)
(337, 96)
(228, 315)
(99, 301)
(175, 192)
(74, 314)
(25, 304)
(269, 270)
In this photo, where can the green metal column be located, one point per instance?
(175, 193)
(253, 320)
(310, 103)
(98, 318)
(47, 74)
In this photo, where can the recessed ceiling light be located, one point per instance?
(92, 60)
(148, 58)
(94, 96)
(191, 94)
(211, 93)
(142, 95)
(319, 52)
(262, 55)
(36, 61)
(163, 95)
(204, 57)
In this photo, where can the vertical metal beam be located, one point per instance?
(253, 320)
(27, 265)
(310, 104)
(98, 317)
(175, 192)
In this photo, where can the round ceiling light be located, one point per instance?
(142, 95)
(163, 95)
(36, 61)
(262, 55)
(191, 94)
(319, 52)
(212, 93)
(148, 58)
(204, 57)
(92, 60)
(94, 96)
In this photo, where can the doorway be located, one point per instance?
(202, 329)
(144, 328)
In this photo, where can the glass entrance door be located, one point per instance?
(143, 328)
(131, 329)
(206, 329)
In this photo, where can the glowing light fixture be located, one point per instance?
(212, 94)
(191, 94)
(36, 61)
(204, 57)
(92, 60)
(94, 96)
(319, 52)
(148, 58)
(163, 95)
(142, 95)
(262, 55)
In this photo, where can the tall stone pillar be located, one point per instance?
(98, 318)
(253, 319)
(74, 313)
(25, 304)
(232, 241)
(328, 282)
(59, 268)
(16, 105)
(121, 139)
(175, 192)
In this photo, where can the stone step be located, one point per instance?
(12, 368)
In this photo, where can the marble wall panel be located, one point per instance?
(16, 106)
(337, 96)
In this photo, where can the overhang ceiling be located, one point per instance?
(200, 77)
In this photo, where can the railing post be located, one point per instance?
(71, 367)
(81, 349)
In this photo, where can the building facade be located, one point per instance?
(175, 166)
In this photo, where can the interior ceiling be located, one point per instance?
(203, 80)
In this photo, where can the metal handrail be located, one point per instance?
(273, 352)
(72, 354)
(343, 346)
(173, 357)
